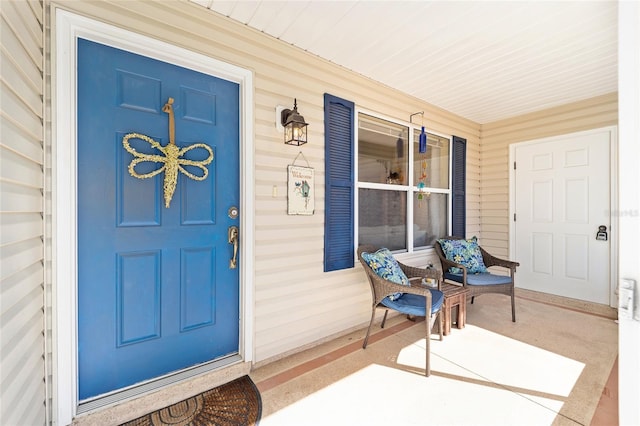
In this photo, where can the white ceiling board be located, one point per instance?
(317, 19)
(285, 18)
(482, 60)
(242, 11)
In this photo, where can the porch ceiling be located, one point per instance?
(482, 60)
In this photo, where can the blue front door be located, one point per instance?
(156, 292)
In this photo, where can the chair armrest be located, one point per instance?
(451, 264)
(414, 273)
(384, 288)
(490, 260)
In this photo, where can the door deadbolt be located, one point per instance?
(233, 212)
(601, 235)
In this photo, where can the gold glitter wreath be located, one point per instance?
(171, 159)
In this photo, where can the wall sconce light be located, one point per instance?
(295, 128)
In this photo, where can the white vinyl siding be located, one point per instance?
(496, 137)
(22, 332)
(296, 304)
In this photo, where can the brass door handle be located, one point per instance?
(233, 239)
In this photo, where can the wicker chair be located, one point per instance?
(484, 282)
(417, 298)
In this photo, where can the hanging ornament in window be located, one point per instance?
(422, 145)
(171, 160)
(422, 150)
(422, 182)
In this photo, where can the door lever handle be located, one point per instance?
(601, 235)
(233, 239)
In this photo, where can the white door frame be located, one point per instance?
(613, 191)
(67, 27)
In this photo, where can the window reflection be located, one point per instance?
(432, 167)
(430, 214)
(382, 151)
(382, 218)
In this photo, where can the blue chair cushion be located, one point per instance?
(480, 279)
(414, 304)
(466, 252)
(385, 266)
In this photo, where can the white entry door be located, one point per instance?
(562, 197)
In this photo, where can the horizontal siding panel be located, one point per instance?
(493, 198)
(494, 229)
(16, 257)
(30, 66)
(19, 85)
(14, 227)
(291, 235)
(309, 292)
(336, 281)
(26, 394)
(30, 36)
(20, 329)
(546, 120)
(18, 198)
(496, 245)
(491, 184)
(502, 207)
(333, 322)
(495, 236)
(292, 239)
(566, 128)
(15, 139)
(14, 287)
(20, 169)
(16, 111)
(494, 213)
(280, 343)
(496, 151)
(501, 174)
(264, 265)
(277, 324)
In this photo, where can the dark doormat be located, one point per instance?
(236, 403)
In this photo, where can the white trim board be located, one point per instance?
(67, 28)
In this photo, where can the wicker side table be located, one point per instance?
(454, 295)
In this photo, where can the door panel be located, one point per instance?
(561, 197)
(155, 291)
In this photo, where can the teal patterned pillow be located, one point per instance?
(385, 266)
(466, 252)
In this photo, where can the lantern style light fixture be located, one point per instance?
(295, 128)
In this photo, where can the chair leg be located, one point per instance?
(373, 315)
(513, 305)
(440, 324)
(384, 319)
(472, 299)
(427, 369)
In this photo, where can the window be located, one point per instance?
(403, 196)
(387, 206)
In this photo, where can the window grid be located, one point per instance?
(407, 184)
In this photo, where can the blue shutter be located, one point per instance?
(339, 186)
(458, 187)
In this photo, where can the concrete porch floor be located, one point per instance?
(551, 367)
(557, 365)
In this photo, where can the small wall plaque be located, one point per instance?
(300, 190)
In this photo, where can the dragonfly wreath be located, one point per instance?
(171, 160)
